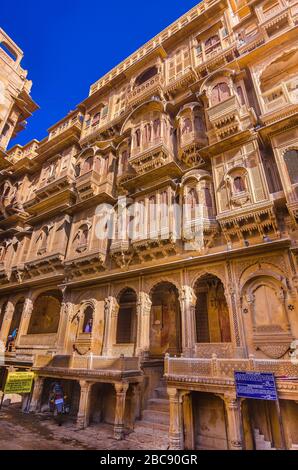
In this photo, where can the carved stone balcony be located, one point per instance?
(216, 57)
(66, 132)
(281, 101)
(152, 155)
(190, 144)
(220, 371)
(48, 264)
(88, 263)
(254, 218)
(37, 342)
(92, 366)
(279, 17)
(92, 184)
(121, 252)
(200, 232)
(155, 245)
(230, 117)
(152, 86)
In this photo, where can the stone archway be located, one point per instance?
(165, 321)
(212, 313)
(46, 313)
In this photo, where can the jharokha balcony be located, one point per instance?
(144, 91)
(151, 155)
(89, 365)
(65, 132)
(92, 184)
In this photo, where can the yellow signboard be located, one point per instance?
(19, 382)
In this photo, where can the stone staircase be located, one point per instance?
(261, 443)
(157, 414)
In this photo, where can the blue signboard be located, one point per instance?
(257, 385)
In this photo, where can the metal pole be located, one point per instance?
(281, 427)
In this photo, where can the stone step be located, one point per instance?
(161, 392)
(150, 427)
(261, 443)
(156, 417)
(158, 404)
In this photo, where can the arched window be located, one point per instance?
(187, 126)
(240, 95)
(199, 123)
(87, 165)
(212, 313)
(88, 320)
(146, 75)
(138, 137)
(2, 313)
(212, 44)
(43, 240)
(291, 161)
(220, 92)
(126, 324)
(81, 238)
(123, 162)
(239, 185)
(148, 133)
(156, 128)
(46, 313)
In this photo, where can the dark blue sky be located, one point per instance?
(69, 44)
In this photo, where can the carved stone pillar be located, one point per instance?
(84, 407)
(66, 313)
(176, 436)
(135, 402)
(111, 318)
(188, 422)
(234, 423)
(35, 403)
(143, 330)
(9, 310)
(188, 300)
(121, 389)
(25, 319)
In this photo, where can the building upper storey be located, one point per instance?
(16, 104)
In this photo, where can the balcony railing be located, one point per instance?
(279, 97)
(38, 341)
(194, 369)
(74, 122)
(144, 90)
(101, 364)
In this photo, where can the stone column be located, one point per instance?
(66, 314)
(121, 389)
(84, 407)
(35, 403)
(135, 402)
(188, 422)
(234, 423)
(25, 319)
(111, 317)
(176, 435)
(9, 310)
(188, 300)
(143, 329)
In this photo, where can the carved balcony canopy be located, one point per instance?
(85, 264)
(63, 134)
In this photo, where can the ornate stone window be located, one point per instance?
(212, 44)
(43, 239)
(87, 323)
(126, 322)
(220, 92)
(212, 313)
(239, 185)
(291, 161)
(146, 75)
(81, 238)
